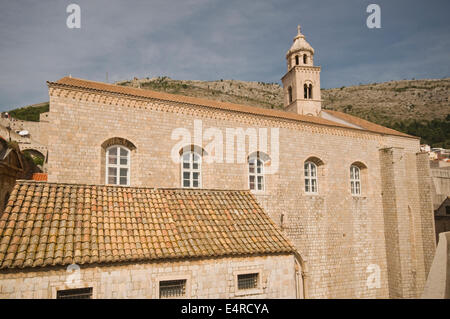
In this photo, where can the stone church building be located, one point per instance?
(348, 201)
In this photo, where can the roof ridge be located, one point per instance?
(29, 181)
(225, 106)
(348, 117)
(200, 101)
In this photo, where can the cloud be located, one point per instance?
(209, 40)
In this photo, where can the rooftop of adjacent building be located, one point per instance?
(54, 224)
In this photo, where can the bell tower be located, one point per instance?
(301, 83)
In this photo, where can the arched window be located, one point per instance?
(305, 58)
(256, 174)
(297, 62)
(305, 90)
(290, 94)
(118, 165)
(355, 180)
(310, 91)
(191, 170)
(311, 184)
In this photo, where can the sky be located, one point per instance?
(212, 40)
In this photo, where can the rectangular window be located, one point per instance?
(172, 288)
(191, 170)
(247, 281)
(79, 293)
(256, 174)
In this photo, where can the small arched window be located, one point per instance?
(297, 62)
(311, 184)
(290, 94)
(310, 91)
(191, 168)
(256, 174)
(305, 58)
(305, 91)
(355, 180)
(118, 165)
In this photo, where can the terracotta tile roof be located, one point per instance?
(39, 177)
(144, 93)
(48, 224)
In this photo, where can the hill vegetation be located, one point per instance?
(30, 113)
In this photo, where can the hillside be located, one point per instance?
(31, 112)
(386, 102)
(417, 107)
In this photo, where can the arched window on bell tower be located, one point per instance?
(297, 62)
(290, 94)
(305, 58)
(305, 91)
(310, 91)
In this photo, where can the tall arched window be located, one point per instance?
(297, 62)
(191, 165)
(305, 58)
(355, 180)
(290, 94)
(311, 185)
(305, 91)
(256, 174)
(118, 165)
(310, 91)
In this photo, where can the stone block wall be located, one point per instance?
(206, 278)
(339, 235)
(408, 220)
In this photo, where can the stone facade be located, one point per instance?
(339, 235)
(441, 197)
(205, 278)
(440, 185)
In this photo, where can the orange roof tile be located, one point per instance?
(39, 177)
(279, 114)
(48, 224)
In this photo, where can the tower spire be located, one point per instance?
(302, 81)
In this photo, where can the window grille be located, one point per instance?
(311, 185)
(172, 288)
(355, 180)
(118, 166)
(79, 293)
(247, 281)
(191, 170)
(256, 174)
